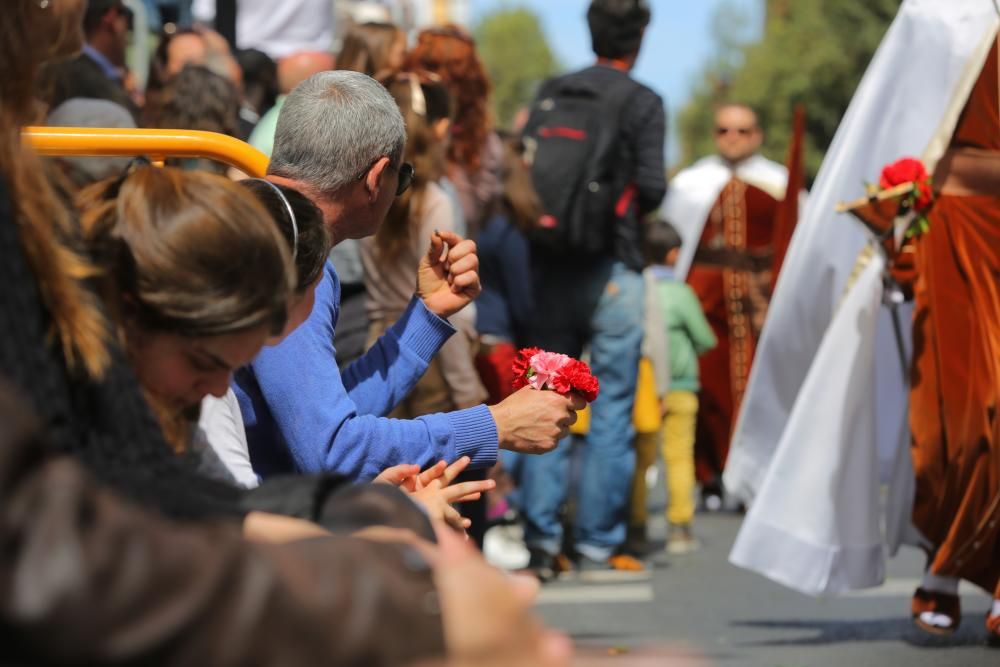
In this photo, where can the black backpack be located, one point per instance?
(572, 139)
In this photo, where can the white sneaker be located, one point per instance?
(503, 546)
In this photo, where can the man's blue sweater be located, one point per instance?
(302, 415)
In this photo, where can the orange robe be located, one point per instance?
(955, 387)
(731, 274)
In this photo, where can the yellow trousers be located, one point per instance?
(676, 439)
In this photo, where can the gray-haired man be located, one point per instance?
(340, 140)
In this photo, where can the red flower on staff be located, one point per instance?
(909, 170)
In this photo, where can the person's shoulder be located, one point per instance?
(698, 170)
(643, 93)
(771, 168)
(764, 174)
(328, 289)
(437, 202)
(434, 192)
(685, 289)
(674, 286)
(81, 61)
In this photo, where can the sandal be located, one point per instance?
(926, 605)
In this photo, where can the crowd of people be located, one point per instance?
(276, 416)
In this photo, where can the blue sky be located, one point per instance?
(677, 42)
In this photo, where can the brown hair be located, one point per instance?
(306, 235)
(174, 248)
(450, 53)
(423, 150)
(522, 204)
(366, 48)
(29, 36)
(197, 99)
(158, 78)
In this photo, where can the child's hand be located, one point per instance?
(433, 491)
(664, 410)
(437, 500)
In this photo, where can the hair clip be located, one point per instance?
(288, 209)
(418, 102)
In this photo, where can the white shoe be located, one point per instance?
(503, 546)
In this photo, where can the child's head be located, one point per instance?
(662, 243)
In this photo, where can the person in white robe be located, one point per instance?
(824, 416)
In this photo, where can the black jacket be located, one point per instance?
(640, 158)
(83, 77)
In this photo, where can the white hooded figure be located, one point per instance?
(824, 415)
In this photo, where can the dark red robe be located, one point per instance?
(731, 275)
(956, 369)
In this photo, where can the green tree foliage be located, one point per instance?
(516, 53)
(813, 52)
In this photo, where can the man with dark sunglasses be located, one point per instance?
(340, 141)
(725, 206)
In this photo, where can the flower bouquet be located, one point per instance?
(539, 369)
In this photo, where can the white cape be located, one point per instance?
(825, 408)
(693, 192)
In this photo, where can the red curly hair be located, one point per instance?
(450, 52)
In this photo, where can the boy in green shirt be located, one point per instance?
(675, 307)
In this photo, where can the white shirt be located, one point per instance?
(225, 452)
(278, 28)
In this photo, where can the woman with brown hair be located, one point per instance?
(392, 256)
(165, 243)
(475, 153)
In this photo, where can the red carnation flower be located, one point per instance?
(561, 382)
(582, 380)
(909, 170)
(522, 364)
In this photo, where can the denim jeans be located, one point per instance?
(600, 308)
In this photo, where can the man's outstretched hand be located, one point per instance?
(533, 422)
(448, 277)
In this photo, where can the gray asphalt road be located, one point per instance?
(700, 610)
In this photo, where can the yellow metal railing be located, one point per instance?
(157, 145)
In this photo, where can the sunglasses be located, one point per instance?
(406, 173)
(742, 131)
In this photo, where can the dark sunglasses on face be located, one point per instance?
(406, 174)
(405, 171)
(743, 131)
